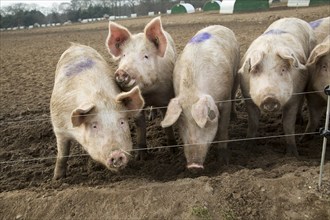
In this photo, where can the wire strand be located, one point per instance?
(163, 147)
(145, 109)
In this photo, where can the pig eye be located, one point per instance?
(283, 70)
(122, 122)
(94, 125)
(146, 56)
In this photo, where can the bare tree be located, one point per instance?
(132, 4)
(104, 3)
(64, 7)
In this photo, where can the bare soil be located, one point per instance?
(259, 183)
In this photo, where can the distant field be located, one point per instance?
(258, 184)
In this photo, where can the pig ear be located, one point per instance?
(318, 52)
(132, 100)
(154, 33)
(117, 36)
(173, 112)
(255, 61)
(252, 64)
(288, 55)
(79, 115)
(204, 110)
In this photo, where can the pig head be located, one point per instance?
(146, 59)
(197, 123)
(269, 76)
(102, 127)
(318, 65)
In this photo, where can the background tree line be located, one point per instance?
(21, 14)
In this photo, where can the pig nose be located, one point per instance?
(195, 166)
(117, 159)
(270, 104)
(122, 77)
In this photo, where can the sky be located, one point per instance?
(43, 3)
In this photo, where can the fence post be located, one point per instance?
(325, 133)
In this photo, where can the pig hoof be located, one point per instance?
(223, 155)
(141, 155)
(292, 152)
(305, 138)
(233, 116)
(251, 145)
(58, 176)
(59, 172)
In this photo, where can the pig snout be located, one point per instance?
(117, 159)
(123, 78)
(195, 166)
(270, 104)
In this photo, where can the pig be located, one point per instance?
(318, 65)
(87, 106)
(321, 28)
(204, 76)
(145, 60)
(272, 70)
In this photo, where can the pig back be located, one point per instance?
(321, 28)
(82, 67)
(293, 33)
(208, 62)
(81, 73)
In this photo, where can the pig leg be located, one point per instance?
(300, 118)
(316, 109)
(152, 114)
(169, 134)
(63, 150)
(253, 121)
(289, 121)
(141, 136)
(233, 113)
(222, 133)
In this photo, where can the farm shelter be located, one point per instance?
(182, 8)
(305, 3)
(260, 182)
(212, 6)
(232, 6)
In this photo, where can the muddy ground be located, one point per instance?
(257, 184)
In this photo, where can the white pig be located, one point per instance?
(272, 70)
(87, 106)
(147, 60)
(204, 75)
(319, 69)
(321, 28)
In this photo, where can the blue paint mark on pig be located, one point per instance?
(78, 67)
(315, 24)
(199, 38)
(275, 32)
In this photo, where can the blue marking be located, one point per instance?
(199, 38)
(275, 32)
(315, 24)
(78, 67)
